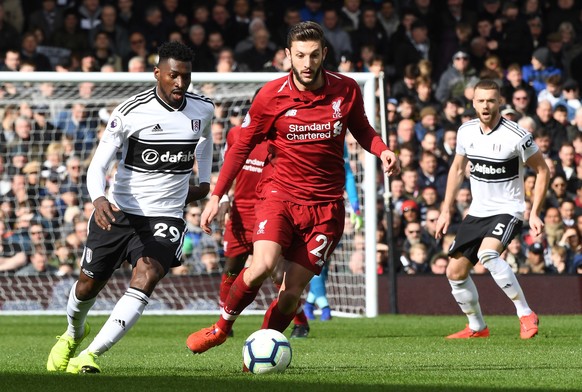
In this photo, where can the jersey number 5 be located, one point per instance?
(498, 229)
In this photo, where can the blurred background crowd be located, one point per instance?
(431, 53)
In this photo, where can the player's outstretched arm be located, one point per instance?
(454, 181)
(209, 213)
(538, 164)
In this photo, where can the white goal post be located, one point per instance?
(349, 294)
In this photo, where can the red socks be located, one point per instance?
(239, 297)
(225, 284)
(274, 319)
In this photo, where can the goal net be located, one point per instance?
(64, 113)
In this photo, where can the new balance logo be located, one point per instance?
(157, 128)
(119, 322)
(291, 113)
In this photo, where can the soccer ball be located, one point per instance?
(267, 351)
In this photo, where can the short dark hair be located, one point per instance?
(174, 50)
(305, 31)
(487, 84)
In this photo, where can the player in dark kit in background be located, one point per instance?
(162, 132)
(300, 214)
(497, 150)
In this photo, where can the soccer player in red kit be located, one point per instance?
(238, 234)
(300, 214)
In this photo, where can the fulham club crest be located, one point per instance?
(196, 126)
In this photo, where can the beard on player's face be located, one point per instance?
(307, 83)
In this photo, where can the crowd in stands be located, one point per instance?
(431, 53)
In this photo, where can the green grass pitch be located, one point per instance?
(387, 353)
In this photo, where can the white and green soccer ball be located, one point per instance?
(267, 351)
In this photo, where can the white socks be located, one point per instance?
(125, 314)
(505, 279)
(465, 293)
(77, 313)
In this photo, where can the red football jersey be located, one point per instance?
(245, 191)
(305, 132)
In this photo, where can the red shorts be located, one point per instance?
(238, 234)
(308, 234)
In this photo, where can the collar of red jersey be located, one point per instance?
(309, 95)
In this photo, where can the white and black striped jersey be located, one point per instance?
(159, 147)
(496, 162)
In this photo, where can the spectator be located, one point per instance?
(388, 17)
(38, 266)
(556, 131)
(70, 36)
(411, 190)
(428, 222)
(103, 53)
(566, 166)
(439, 263)
(221, 21)
(63, 259)
(47, 215)
(405, 85)
(138, 47)
(203, 59)
(575, 129)
(425, 95)
(8, 33)
(553, 91)
(454, 80)
(11, 255)
(29, 53)
(534, 263)
(410, 211)
(419, 259)
(405, 133)
(514, 255)
(77, 123)
(512, 82)
(449, 18)
(153, 29)
(539, 70)
(312, 11)
(520, 102)
(117, 34)
(227, 63)
(248, 42)
(571, 94)
(290, 18)
(127, 17)
(449, 144)
(370, 33)
(559, 257)
(350, 15)
(335, 36)
(260, 54)
(428, 124)
(49, 18)
(429, 173)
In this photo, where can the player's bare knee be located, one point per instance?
(458, 269)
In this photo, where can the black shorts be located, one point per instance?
(132, 237)
(472, 231)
